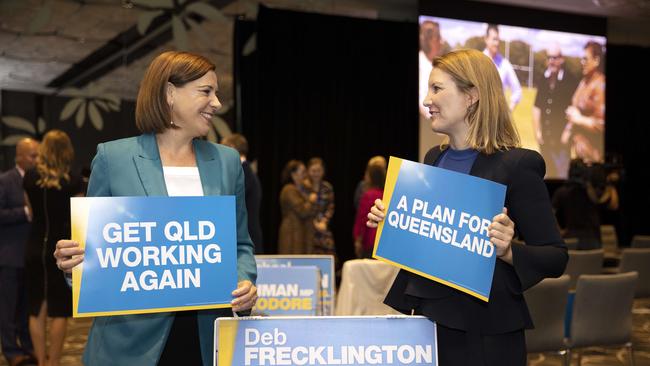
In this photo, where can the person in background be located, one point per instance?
(175, 105)
(48, 189)
(364, 237)
(323, 240)
(586, 114)
(466, 103)
(364, 183)
(554, 92)
(14, 230)
(298, 211)
(576, 209)
(506, 71)
(253, 190)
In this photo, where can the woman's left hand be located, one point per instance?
(501, 231)
(245, 296)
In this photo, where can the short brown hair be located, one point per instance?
(237, 142)
(152, 113)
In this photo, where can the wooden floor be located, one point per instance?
(78, 332)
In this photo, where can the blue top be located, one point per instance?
(460, 161)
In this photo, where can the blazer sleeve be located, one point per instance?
(543, 253)
(9, 215)
(99, 181)
(246, 267)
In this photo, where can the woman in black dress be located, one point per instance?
(48, 188)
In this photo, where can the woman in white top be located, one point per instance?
(176, 101)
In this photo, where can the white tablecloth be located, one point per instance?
(364, 284)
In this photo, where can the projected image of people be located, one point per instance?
(506, 71)
(553, 82)
(430, 47)
(586, 115)
(554, 91)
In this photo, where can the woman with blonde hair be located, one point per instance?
(466, 103)
(48, 188)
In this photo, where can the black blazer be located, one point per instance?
(253, 201)
(542, 253)
(14, 228)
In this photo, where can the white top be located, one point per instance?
(182, 181)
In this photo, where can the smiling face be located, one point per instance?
(447, 105)
(194, 104)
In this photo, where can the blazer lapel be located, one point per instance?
(210, 167)
(431, 157)
(149, 167)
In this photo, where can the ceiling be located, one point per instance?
(53, 45)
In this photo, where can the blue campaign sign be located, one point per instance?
(153, 254)
(325, 264)
(436, 225)
(288, 291)
(364, 340)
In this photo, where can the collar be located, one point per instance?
(560, 74)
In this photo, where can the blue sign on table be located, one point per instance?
(436, 225)
(325, 264)
(153, 254)
(346, 340)
(286, 291)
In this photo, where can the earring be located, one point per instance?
(171, 122)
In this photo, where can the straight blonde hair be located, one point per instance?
(490, 123)
(55, 155)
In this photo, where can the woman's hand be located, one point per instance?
(245, 296)
(376, 214)
(501, 231)
(68, 255)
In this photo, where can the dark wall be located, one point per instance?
(627, 129)
(34, 106)
(335, 87)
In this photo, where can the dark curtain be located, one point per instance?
(343, 89)
(627, 129)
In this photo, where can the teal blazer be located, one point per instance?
(132, 167)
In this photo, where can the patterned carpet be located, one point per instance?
(78, 331)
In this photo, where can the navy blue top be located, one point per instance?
(460, 161)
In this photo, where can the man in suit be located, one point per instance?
(253, 190)
(14, 229)
(554, 92)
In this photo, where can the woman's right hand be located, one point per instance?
(376, 214)
(68, 255)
